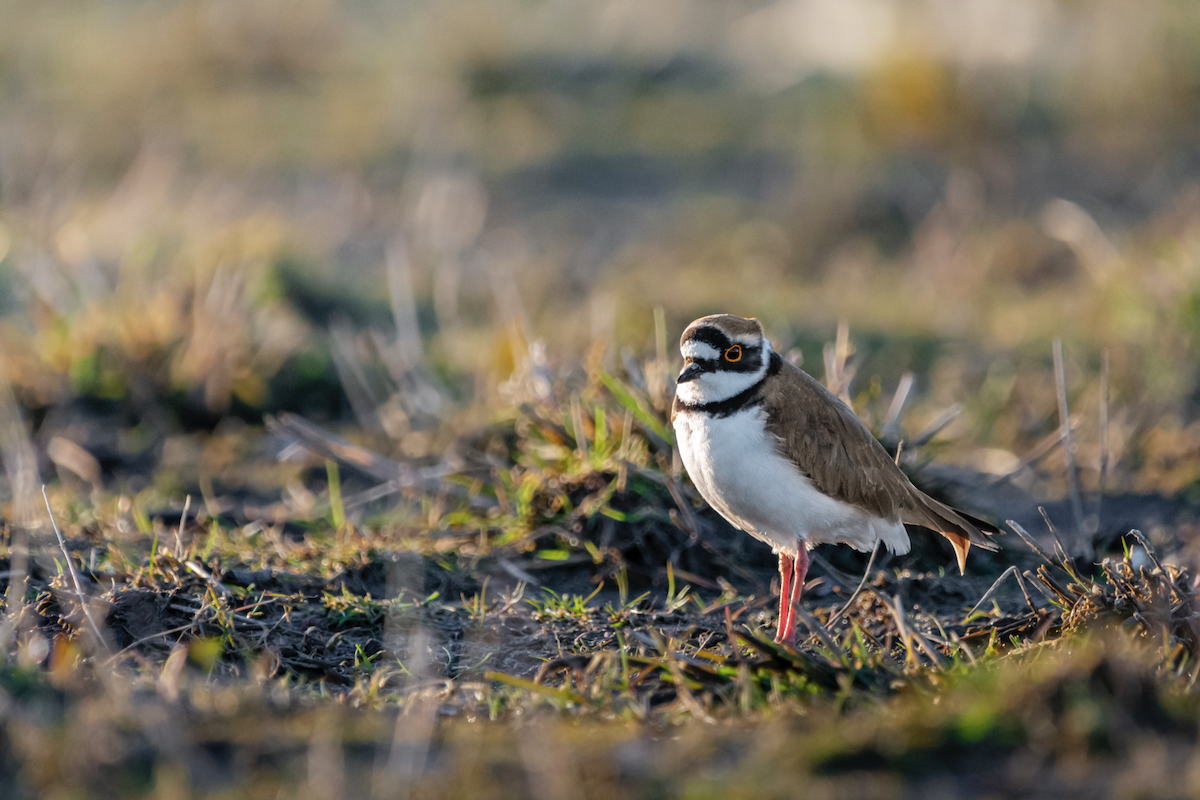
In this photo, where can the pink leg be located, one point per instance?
(787, 627)
(786, 566)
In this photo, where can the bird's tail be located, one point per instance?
(961, 530)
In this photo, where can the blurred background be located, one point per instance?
(376, 214)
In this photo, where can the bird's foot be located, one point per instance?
(792, 572)
(788, 638)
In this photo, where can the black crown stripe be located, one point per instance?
(710, 336)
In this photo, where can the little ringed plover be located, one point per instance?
(782, 458)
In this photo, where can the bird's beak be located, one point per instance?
(691, 371)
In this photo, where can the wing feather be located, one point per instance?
(827, 442)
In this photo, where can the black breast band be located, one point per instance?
(751, 396)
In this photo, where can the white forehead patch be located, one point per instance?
(701, 350)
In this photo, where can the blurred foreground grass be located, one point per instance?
(1050, 724)
(461, 238)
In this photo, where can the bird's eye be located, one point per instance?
(734, 353)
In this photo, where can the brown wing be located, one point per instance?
(822, 436)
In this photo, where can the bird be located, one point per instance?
(784, 459)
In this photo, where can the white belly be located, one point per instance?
(736, 465)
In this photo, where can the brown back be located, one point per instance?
(823, 437)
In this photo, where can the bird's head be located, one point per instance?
(723, 355)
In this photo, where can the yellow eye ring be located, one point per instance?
(734, 353)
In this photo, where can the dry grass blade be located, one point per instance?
(927, 648)
(18, 581)
(333, 446)
(1095, 527)
(1035, 454)
(854, 596)
(837, 375)
(686, 515)
(410, 346)
(937, 426)
(1065, 597)
(197, 569)
(761, 646)
(659, 380)
(1064, 417)
(893, 607)
(1045, 590)
(831, 572)
(517, 572)
(18, 457)
(83, 600)
(359, 499)
(891, 422)
(581, 442)
(187, 506)
(818, 631)
(996, 585)
(133, 646)
(353, 378)
(1153, 556)
(683, 689)
(1064, 557)
(1029, 540)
